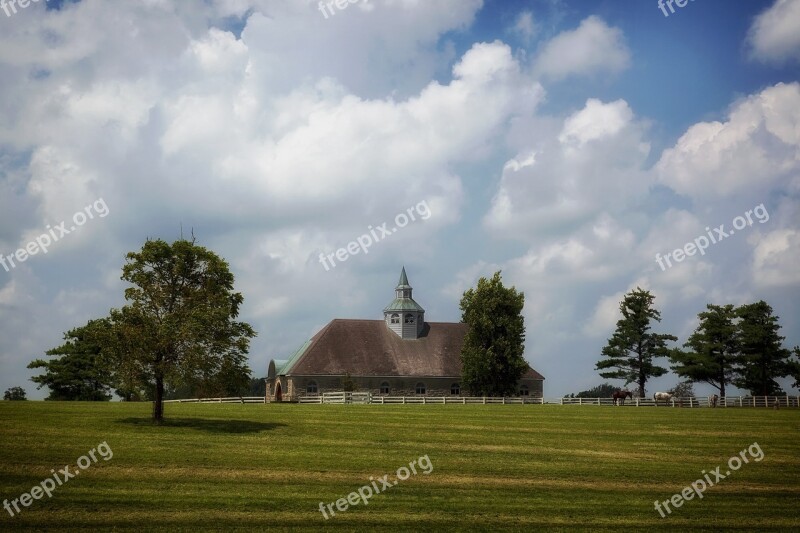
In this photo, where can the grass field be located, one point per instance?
(260, 467)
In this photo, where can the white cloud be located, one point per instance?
(595, 121)
(589, 163)
(755, 150)
(525, 26)
(776, 257)
(774, 36)
(605, 316)
(591, 48)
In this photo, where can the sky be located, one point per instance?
(572, 145)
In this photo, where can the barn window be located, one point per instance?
(455, 389)
(409, 318)
(311, 388)
(420, 388)
(524, 391)
(385, 387)
(395, 319)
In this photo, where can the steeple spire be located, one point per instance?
(404, 316)
(403, 283)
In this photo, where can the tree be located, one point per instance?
(762, 357)
(601, 391)
(491, 357)
(76, 375)
(348, 385)
(684, 389)
(796, 367)
(15, 394)
(257, 387)
(631, 349)
(715, 349)
(179, 325)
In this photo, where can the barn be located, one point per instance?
(401, 355)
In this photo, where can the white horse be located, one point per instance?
(662, 396)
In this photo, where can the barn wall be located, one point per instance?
(398, 386)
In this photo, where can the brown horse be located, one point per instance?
(621, 395)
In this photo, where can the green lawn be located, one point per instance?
(268, 467)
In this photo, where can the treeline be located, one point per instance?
(732, 345)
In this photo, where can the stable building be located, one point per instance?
(401, 355)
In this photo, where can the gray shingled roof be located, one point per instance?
(370, 348)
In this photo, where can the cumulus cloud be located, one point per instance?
(756, 149)
(593, 47)
(774, 36)
(588, 163)
(776, 257)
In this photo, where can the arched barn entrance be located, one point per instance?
(278, 393)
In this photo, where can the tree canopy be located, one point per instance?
(763, 358)
(632, 348)
(715, 349)
(178, 326)
(604, 390)
(684, 389)
(76, 374)
(491, 357)
(15, 394)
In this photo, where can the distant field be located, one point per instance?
(268, 467)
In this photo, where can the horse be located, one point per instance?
(662, 396)
(621, 395)
(714, 400)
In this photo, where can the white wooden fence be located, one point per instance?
(369, 398)
(236, 399)
(703, 401)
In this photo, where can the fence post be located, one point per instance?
(423, 400)
(562, 400)
(464, 400)
(580, 400)
(484, 400)
(690, 401)
(637, 402)
(504, 400)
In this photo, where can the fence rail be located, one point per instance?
(689, 402)
(369, 398)
(236, 399)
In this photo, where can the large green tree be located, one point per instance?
(76, 373)
(491, 357)
(632, 348)
(763, 358)
(179, 325)
(714, 349)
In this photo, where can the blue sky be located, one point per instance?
(565, 143)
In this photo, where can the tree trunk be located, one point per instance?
(158, 401)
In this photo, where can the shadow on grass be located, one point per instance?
(205, 424)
